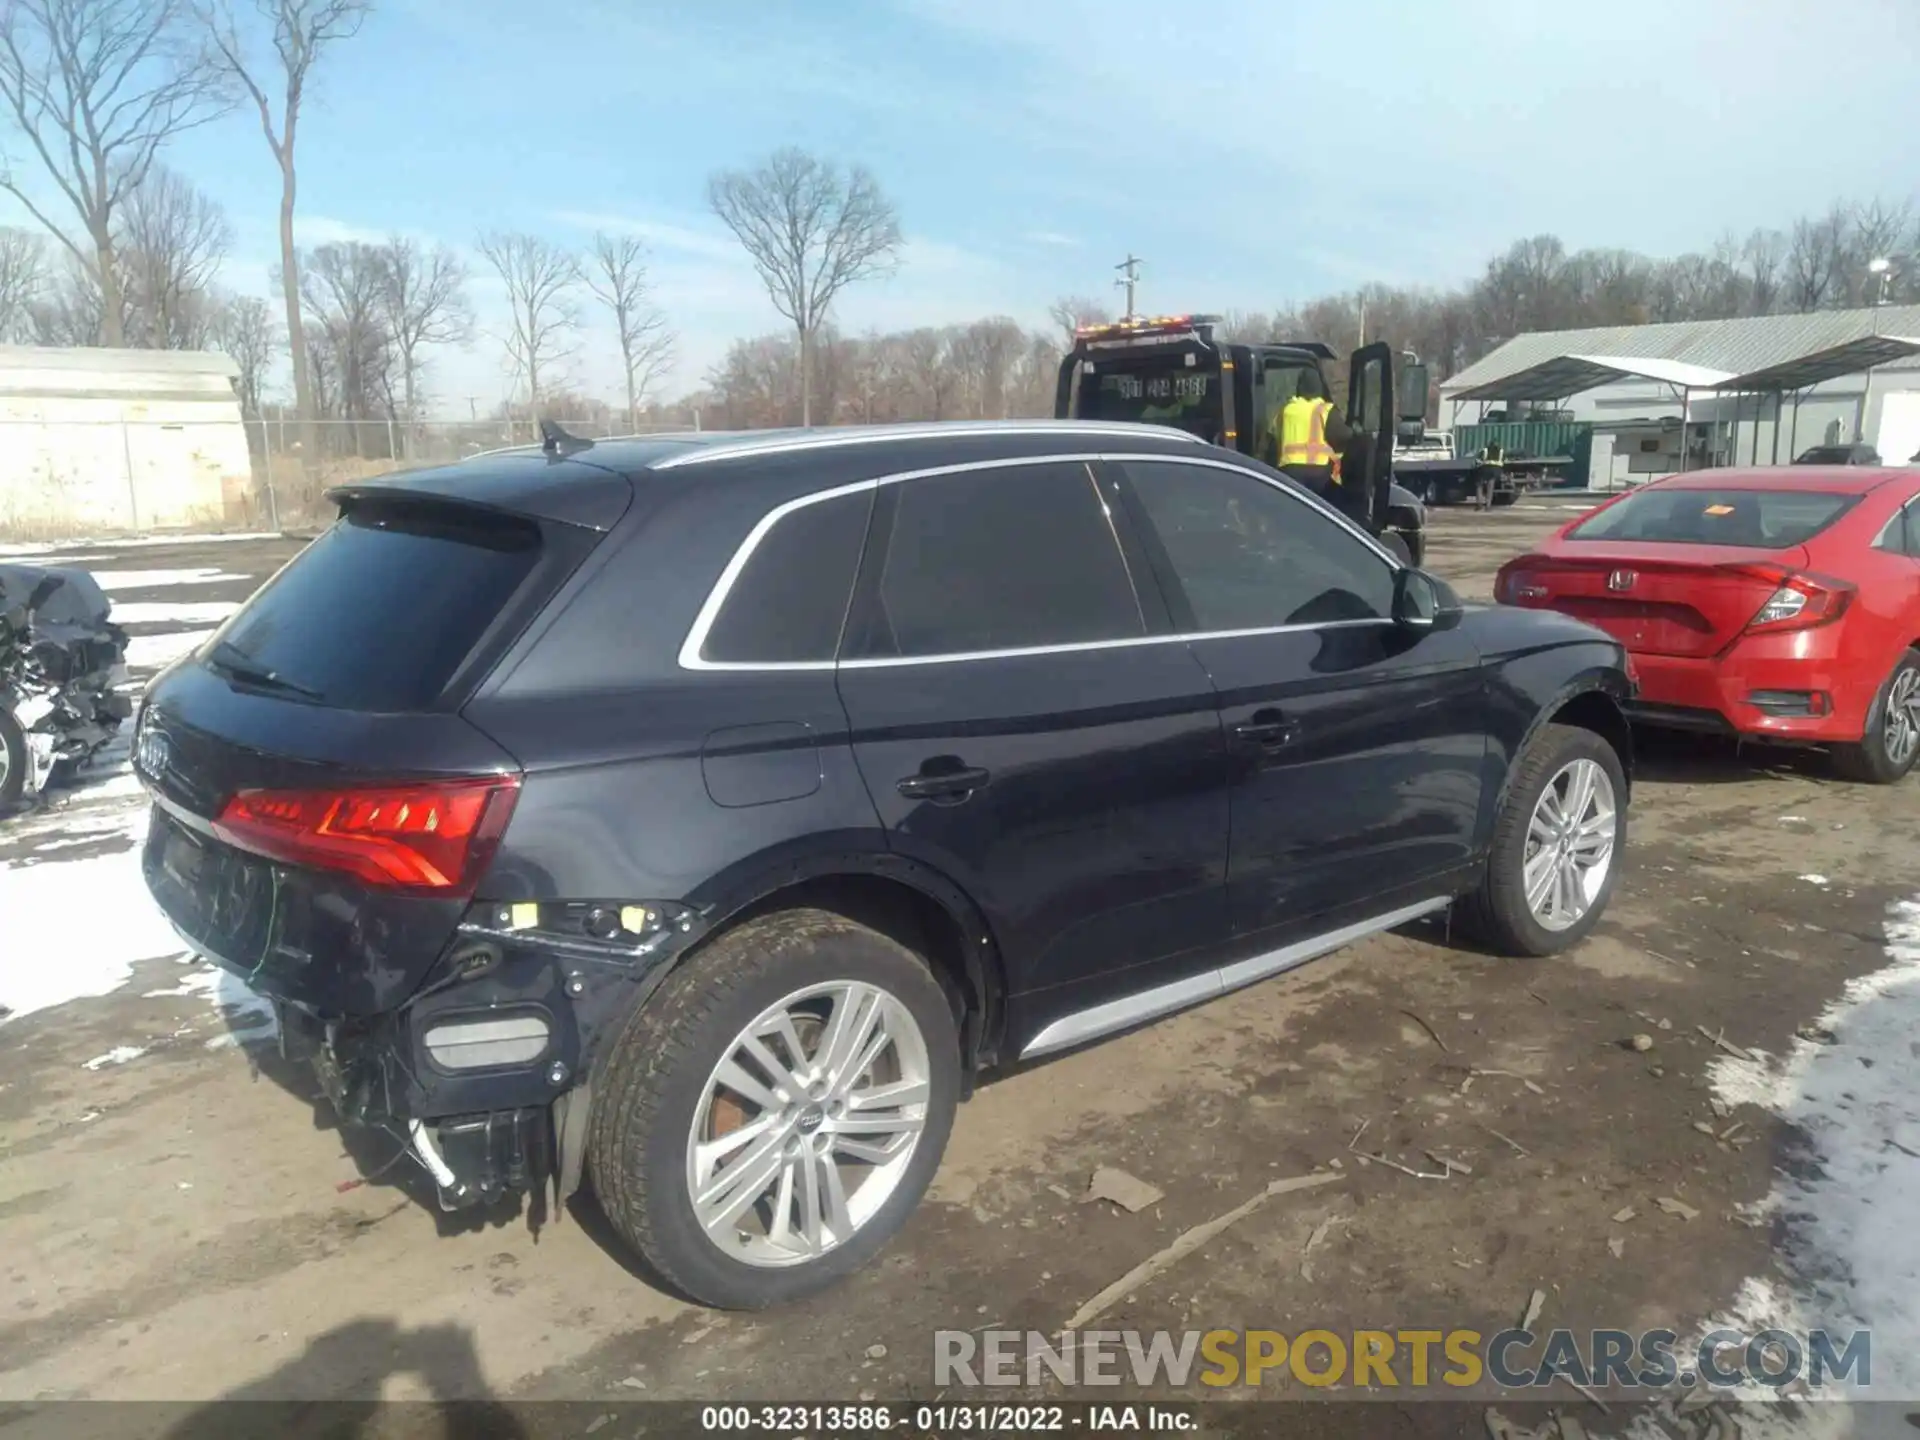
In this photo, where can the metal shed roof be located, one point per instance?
(96, 361)
(1734, 347)
(1829, 364)
(1565, 375)
(32, 373)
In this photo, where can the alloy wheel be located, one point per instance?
(1570, 841)
(1902, 722)
(807, 1125)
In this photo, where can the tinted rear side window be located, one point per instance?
(379, 612)
(1004, 559)
(1765, 519)
(786, 606)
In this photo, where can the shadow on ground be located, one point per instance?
(296, 1401)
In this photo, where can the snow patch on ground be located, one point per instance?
(160, 612)
(119, 1055)
(1815, 879)
(76, 928)
(112, 580)
(153, 652)
(1848, 1209)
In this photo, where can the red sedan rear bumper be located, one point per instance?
(1755, 688)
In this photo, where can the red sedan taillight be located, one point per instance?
(1800, 602)
(435, 835)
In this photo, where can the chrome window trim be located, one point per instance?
(691, 659)
(950, 429)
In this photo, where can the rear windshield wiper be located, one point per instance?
(232, 661)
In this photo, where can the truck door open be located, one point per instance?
(1371, 407)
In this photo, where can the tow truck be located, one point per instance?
(1170, 370)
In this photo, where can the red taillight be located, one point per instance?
(1799, 602)
(426, 835)
(1516, 585)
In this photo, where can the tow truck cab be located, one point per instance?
(1170, 370)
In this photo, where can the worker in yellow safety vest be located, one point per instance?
(1308, 434)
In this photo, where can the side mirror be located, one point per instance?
(1423, 602)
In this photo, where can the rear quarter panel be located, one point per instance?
(1536, 662)
(645, 781)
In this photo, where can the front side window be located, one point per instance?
(1245, 555)
(787, 604)
(998, 559)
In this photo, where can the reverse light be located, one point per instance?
(435, 835)
(1800, 602)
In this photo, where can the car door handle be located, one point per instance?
(950, 786)
(1267, 728)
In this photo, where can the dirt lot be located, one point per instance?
(177, 1218)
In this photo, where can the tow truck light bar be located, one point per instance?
(1156, 325)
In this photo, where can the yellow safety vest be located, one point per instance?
(1303, 433)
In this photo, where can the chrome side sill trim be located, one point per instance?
(1097, 1020)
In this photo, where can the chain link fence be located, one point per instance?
(83, 477)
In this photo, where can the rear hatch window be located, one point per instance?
(1749, 519)
(381, 611)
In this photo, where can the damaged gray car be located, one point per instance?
(61, 657)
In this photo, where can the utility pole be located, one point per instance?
(1129, 269)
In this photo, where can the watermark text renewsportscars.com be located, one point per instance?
(1401, 1359)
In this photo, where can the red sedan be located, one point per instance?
(1782, 604)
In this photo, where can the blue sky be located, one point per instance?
(1253, 153)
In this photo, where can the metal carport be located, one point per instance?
(1566, 375)
(1802, 373)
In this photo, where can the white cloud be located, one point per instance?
(1050, 237)
(325, 230)
(711, 241)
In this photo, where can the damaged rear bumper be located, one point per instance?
(483, 1075)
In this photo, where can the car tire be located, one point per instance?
(1500, 913)
(14, 759)
(660, 1087)
(1891, 744)
(1502, 499)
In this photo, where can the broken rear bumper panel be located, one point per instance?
(476, 1072)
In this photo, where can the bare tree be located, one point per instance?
(1815, 258)
(171, 239)
(247, 333)
(617, 278)
(540, 278)
(95, 88)
(343, 287)
(423, 295)
(302, 31)
(68, 312)
(1765, 252)
(810, 230)
(23, 281)
(1875, 231)
(1070, 312)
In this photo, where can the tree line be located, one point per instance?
(1819, 262)
(129, 253)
